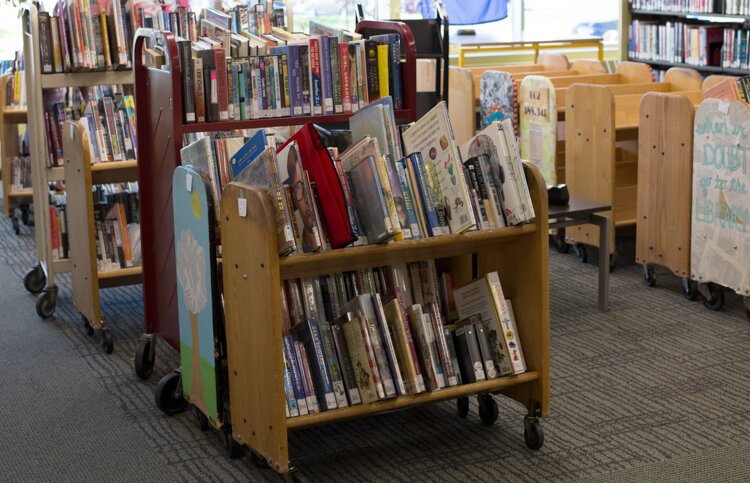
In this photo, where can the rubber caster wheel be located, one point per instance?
(108, 344)
(45, 305)
(581, 253)
(533, 434)
(202, 420)
(34, 279)
(87, 326)
(258, 460)
(488, 411)
(16, 226)
(144, 359)
(689, 289)
(233, 447)
(168, 394)
(649, 275)
(462, 407)
(560, 244)
(716, 302)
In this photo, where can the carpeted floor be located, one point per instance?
(654, 390)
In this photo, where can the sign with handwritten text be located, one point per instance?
(538, 133)
(720, 245)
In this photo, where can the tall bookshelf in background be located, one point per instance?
(40, 279)
(710, 36)
(12, 116)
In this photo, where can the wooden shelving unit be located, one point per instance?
(10, 118)
(253, 323)
(78, 176)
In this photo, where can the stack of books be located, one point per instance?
(108, 118)
(20, 174)
(85, 35)
(15, 88)
(118, 234)
(358, 337)
(384, 187)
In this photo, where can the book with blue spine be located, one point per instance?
(297, 385)
(247, 153)
(291, 399)
(411, 213)
(433, 223)
(309, 333)
(316, 77)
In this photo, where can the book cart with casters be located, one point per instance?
(41, 278)
(719, 239)
(601, 164)
(253, 273)
(80, 176)
(665, 178)
(10, 119)
(158, 97)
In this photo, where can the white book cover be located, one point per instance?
(432, 136)
(508, 329)
(517, 164)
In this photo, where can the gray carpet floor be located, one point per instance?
(654, 390)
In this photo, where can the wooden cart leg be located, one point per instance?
(604, 223)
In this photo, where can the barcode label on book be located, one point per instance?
(242, 207)
(188, 182)
(288, 236)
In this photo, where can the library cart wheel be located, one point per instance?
(232, 446)
(168, 394)
(107, 342)
(581, 253)
(689, 289)
(144, 359)
(462, 406)
(649, 275)
(16, 225)
(533, 434)
(45, 305)
(716, 302)
(87, 325)
(612, 262)
(34, 279)
(560, 244)
(488, 411)
(258, 460)
(202, 419)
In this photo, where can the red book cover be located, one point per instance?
(53, 231)
(346, 91)
(220, 61)
(318, 163)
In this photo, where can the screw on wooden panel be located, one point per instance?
(572, 106)
(227, 218)
(644, 218)
(650, 248)
(236, 265)
(605, 129)
(646, 116)
(270, 428)
(679, 249)
(683, 145)
(244, 420)
(579, 133)
(653, 147)
(235, 373)
(662, 153)
(262, 265)
(253, 432)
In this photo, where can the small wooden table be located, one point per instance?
(580, 212)
(463, 44)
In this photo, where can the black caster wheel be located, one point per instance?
(202, 420)
(233, 447)
(462, 407)
(533, 434)
(34, 279)
(488, 411)
(258, 460)
(612, 262)
(689, 289)
(144, 358)
(581, 253)
(168, 394)
(87, 326)
(560, 244)
(108, 344)
(716, 302)
(649, 275)
(16, 225)
(45, 304)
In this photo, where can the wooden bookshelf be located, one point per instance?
(10, 118)
(253, 272)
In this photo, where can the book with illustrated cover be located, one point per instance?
(345, 359)
(388, 346)
(405, 350)
(334, 365)
(428, 358)
(308, 333)
(517, 166)
(200, 155)
(307, 380)
(369, 203)
(262, 173)
(363, 361)
(292, 174)
(432, 136)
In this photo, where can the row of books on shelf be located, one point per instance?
(730, 89)
(736, 52)
(676, 42)
(15, 90)
(20, 174)
(358, 337)
(117, 226)
(230, 76)
(371, 192)
(83, 35)
(12, 65)
(108, 118)
(730, 7)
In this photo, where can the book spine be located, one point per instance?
(231, 90)
(470, 359)
(346, 93)
(220, 62)
(452, 351)
(434, 350)
(388, 348)
(299, 390)
(337, 380)
(397, 90)
(326, 75)
(419, 383)
(199, 91)
(45, 42)
(347, 369)
(336, 77)
(485, 351)
(295, 81)
(185, 53)
(316, 77)
(508, 339)
(285, 84)
(236, 106)
(354, 86)
(416, 162)
(383, 70)
(277, 91)
(309, 385)
(56, 51)
(446, 362)
(318, 364)
(96, 24)
(371, 66)
(370, 350)
(109, 114)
